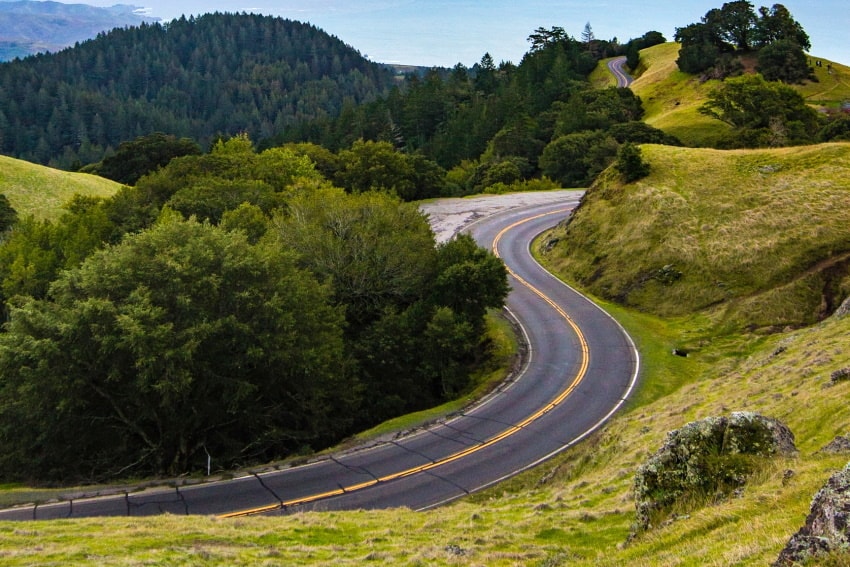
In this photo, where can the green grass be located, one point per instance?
(42, 191)
(672, 98)
(761, 237)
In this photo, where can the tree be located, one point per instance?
(373, 250)
(575, 159)
(179, 341)
(736, 21)
(145, 154)
(777, 24)
(784, 60)
(8, 215)
(630, 163)
(763, 113)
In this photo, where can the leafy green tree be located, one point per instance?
(784, 60)
(762, 113)
(777, 24)
(8, 215)
(180, 340)
(736, 21)
(575, 159)
(248, 218)
(36, 251)
(371, 248)
(639, 132)
(630, 163)
(145, 154)
(209, 199)
(470, 280)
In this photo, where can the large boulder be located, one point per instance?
(706, 460)
(827, 526)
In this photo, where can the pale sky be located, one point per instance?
(445, 32)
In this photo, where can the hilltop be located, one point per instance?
(42, 191)
(671, 98)
(204, 78)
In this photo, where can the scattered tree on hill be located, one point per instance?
(143, 155)
(630, 163)
(762, 113)
(714, 43)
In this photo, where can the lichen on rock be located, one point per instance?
(706, 459)
(827, 526)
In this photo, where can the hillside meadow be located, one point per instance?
(578, 509)
(672, 98)
(42, 191)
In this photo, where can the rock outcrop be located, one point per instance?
(706, 459)
(827, 526)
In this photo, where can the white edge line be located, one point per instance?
(586, 433)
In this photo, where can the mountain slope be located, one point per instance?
(41, 191)
(217, 75)
(28, 27)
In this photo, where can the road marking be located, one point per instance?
(582, 371)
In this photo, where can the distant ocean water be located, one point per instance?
(446, 32)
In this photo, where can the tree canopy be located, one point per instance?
(734, 29)
(182, 340)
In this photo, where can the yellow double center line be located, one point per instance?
(580, 374)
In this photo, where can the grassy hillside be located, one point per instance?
(754, 237)
(41, 191)
(671, 98)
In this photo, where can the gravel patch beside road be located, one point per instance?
(450, 216)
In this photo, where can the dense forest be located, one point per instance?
(233, 303)
(498, 127)
(206, 77)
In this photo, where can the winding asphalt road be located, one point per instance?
(617, 66)
(580, 368)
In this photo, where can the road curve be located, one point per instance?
(581, 367)
(617, 66)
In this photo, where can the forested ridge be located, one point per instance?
(215, 75)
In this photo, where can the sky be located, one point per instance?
(446, 32)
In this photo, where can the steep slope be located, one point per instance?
(41, 191)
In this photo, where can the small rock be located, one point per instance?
(839, 445)
(827, 526)
(454, 549)
(840, 375)
(704, 457)
(843, 309)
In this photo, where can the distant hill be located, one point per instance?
(202, 78)
(42, 191)
(28, 27)
(671, 98)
